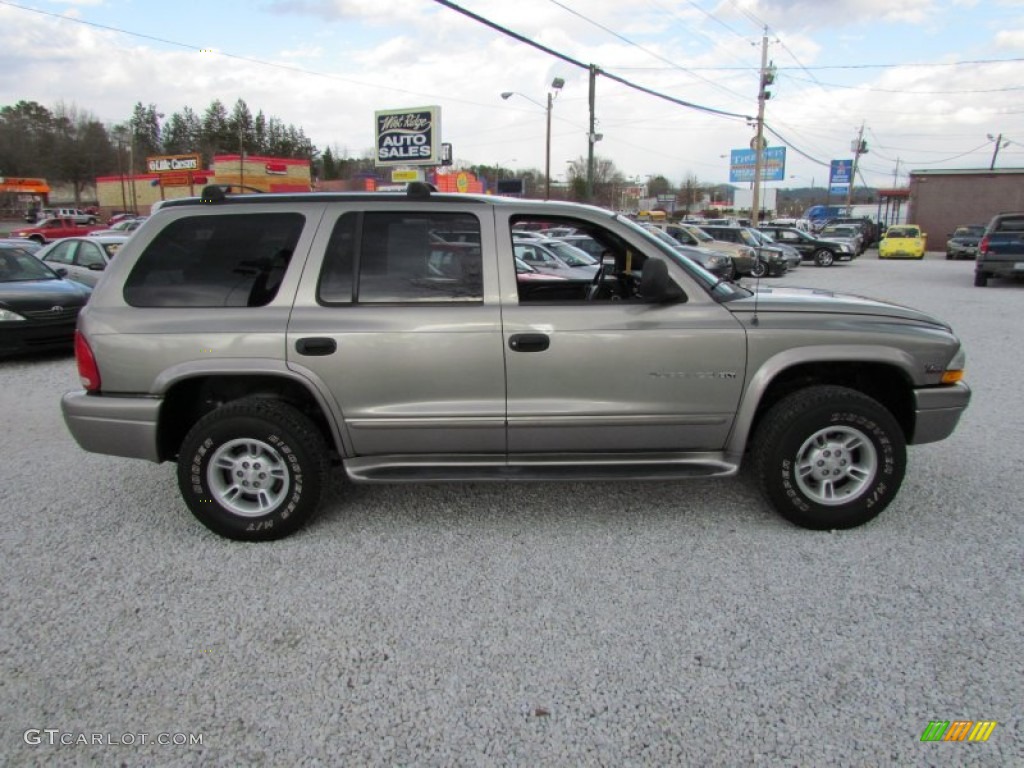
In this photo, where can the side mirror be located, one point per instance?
(656, 287)
(61, 272)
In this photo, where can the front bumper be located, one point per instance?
(959, 250)
(937, 411)
(116, 426)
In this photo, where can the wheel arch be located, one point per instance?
(186, 399)
(882, 374)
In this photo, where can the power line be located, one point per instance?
(649, 52)
(910, 92)
(581, 65)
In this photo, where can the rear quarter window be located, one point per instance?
(229, 260)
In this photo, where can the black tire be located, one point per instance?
(759, 268)
(275, 448)
(980, 279)
(844, 433)
(823, 257)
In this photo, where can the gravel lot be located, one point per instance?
(614, 624)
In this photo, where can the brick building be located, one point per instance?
(942, 200)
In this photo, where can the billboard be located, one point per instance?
(408, 136)
(839, 176)
(173, 163)
(742, 163)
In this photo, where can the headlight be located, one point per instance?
(845, 248)
(6, 316)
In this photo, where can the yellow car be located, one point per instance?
(903, 242)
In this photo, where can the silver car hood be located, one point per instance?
(815, 300)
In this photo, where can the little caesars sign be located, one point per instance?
(409, 136)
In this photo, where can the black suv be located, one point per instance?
(822, 252)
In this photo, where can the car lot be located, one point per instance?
(613, 624)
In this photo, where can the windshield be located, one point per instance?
(969, 232)
(748, 238)
(699, 233)
(17, 265)
(720, 289)
(901, 232)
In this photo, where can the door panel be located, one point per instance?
(410, 371)
(618, 376)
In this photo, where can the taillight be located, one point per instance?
(983, 245)
(88, 371)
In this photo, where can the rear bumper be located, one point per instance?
(116, 426)
(937, 411)
(1013, 267)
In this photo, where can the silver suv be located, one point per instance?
(257, 340)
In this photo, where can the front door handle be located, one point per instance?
(316, 346)
(529, 342)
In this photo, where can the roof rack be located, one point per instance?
(215, 193)
(420, 190)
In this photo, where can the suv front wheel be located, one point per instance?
(829, 457)
(253, 469)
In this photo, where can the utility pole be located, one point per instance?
(995, 152)
(859, 148)
(762, 97)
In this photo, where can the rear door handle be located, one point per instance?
(316, 346)
(529, 342)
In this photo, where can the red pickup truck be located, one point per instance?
(53, 229)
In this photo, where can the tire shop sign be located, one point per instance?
(409, 136)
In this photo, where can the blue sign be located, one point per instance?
(742, 163)
(839, 176)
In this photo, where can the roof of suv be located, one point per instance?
(420, 192)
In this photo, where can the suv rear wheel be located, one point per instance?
(253, 469)
(829, 457)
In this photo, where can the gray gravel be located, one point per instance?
(615, 624)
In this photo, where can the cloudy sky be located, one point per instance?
(928, 79)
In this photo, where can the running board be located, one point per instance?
(535, 467)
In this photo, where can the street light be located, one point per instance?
(556, 86)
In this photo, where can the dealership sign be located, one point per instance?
(172, 163)
(839, 176)
(409, 136)
(743, 162)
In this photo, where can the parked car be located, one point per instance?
(789, 253)
(254, 340)
(905, 241)
(28, 245)
(822, 252)
(544, 259)
(120, 216)
(52, 229)
(76, 215)
(846, 233)
(963, 242)
(869, 233)
(38, 307)
(744, 257)
(83, 258)
(770, 261)
(719, 264)
(570, 254)
(584, 242)
(123, 227)
(1001, 250)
